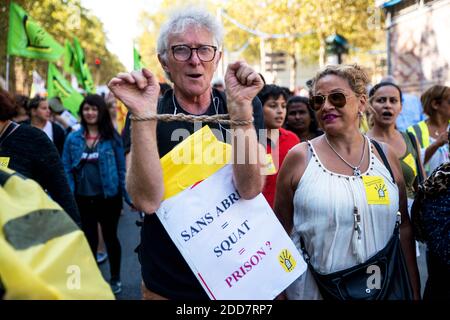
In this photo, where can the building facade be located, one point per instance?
(418, 42)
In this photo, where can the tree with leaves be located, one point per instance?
(297, 27)
(64, 19)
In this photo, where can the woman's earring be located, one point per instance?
(360, 113)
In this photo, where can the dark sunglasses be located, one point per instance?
(337, 99)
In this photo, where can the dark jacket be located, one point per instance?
(59, 136)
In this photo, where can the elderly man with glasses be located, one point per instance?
(189, 52)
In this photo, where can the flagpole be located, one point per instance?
(8, 8)
(7, 72)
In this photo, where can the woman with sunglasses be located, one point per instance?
(385, 104)
(325, 188)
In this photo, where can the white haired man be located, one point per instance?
(189, 52)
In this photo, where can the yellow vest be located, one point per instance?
(43, 254)
(420, 130)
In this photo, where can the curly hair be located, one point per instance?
(7, 106)
(353, 73)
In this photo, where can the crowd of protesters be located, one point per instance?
(317, 147)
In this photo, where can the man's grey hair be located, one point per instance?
(182, 18)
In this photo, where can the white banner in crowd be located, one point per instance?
(237, 248)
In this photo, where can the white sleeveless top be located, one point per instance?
(323, 215)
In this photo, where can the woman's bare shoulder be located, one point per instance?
(295, 162)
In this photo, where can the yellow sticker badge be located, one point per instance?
(409, 160)
(269, 167)
(376, 190)
(286, 260)
(4, 162)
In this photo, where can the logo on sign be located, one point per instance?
(286, 260)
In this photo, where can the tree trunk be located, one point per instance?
(4, 20)
(293, 73)
(322, 54)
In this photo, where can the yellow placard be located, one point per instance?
(409, 160)
(269, 167)
(376, 190)
(195, 159)
(4, 162)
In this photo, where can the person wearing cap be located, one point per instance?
(61, 116)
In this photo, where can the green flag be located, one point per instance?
(58, 86)
(27, 39)
(69, 58)
(138, 65)
(82, 72)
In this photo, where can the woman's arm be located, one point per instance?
(406, 231)
(419, 160)
(120, 162)
(432, 148)
(288, 178)
(66, 159)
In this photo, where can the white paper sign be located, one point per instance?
(237, 248)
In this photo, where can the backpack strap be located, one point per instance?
(383, 158)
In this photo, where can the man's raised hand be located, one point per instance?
(242, 85)
(138, 90)
(242, 82)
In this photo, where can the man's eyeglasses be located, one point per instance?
(337, 99)
(183, 52)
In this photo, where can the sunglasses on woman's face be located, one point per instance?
(337, 99)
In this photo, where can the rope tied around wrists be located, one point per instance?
(219, 118)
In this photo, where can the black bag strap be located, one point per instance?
(305, 253)
(419, 169)
(383, 157)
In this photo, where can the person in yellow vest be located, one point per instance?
(385, 104)
(432, 132)
(43, 253)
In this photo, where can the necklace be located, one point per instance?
(356, 170)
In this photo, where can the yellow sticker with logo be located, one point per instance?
(409, 160)
(4, 162)
(376, 190)
(269, 167)
(286, 260)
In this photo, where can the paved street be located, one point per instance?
(129, 235)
